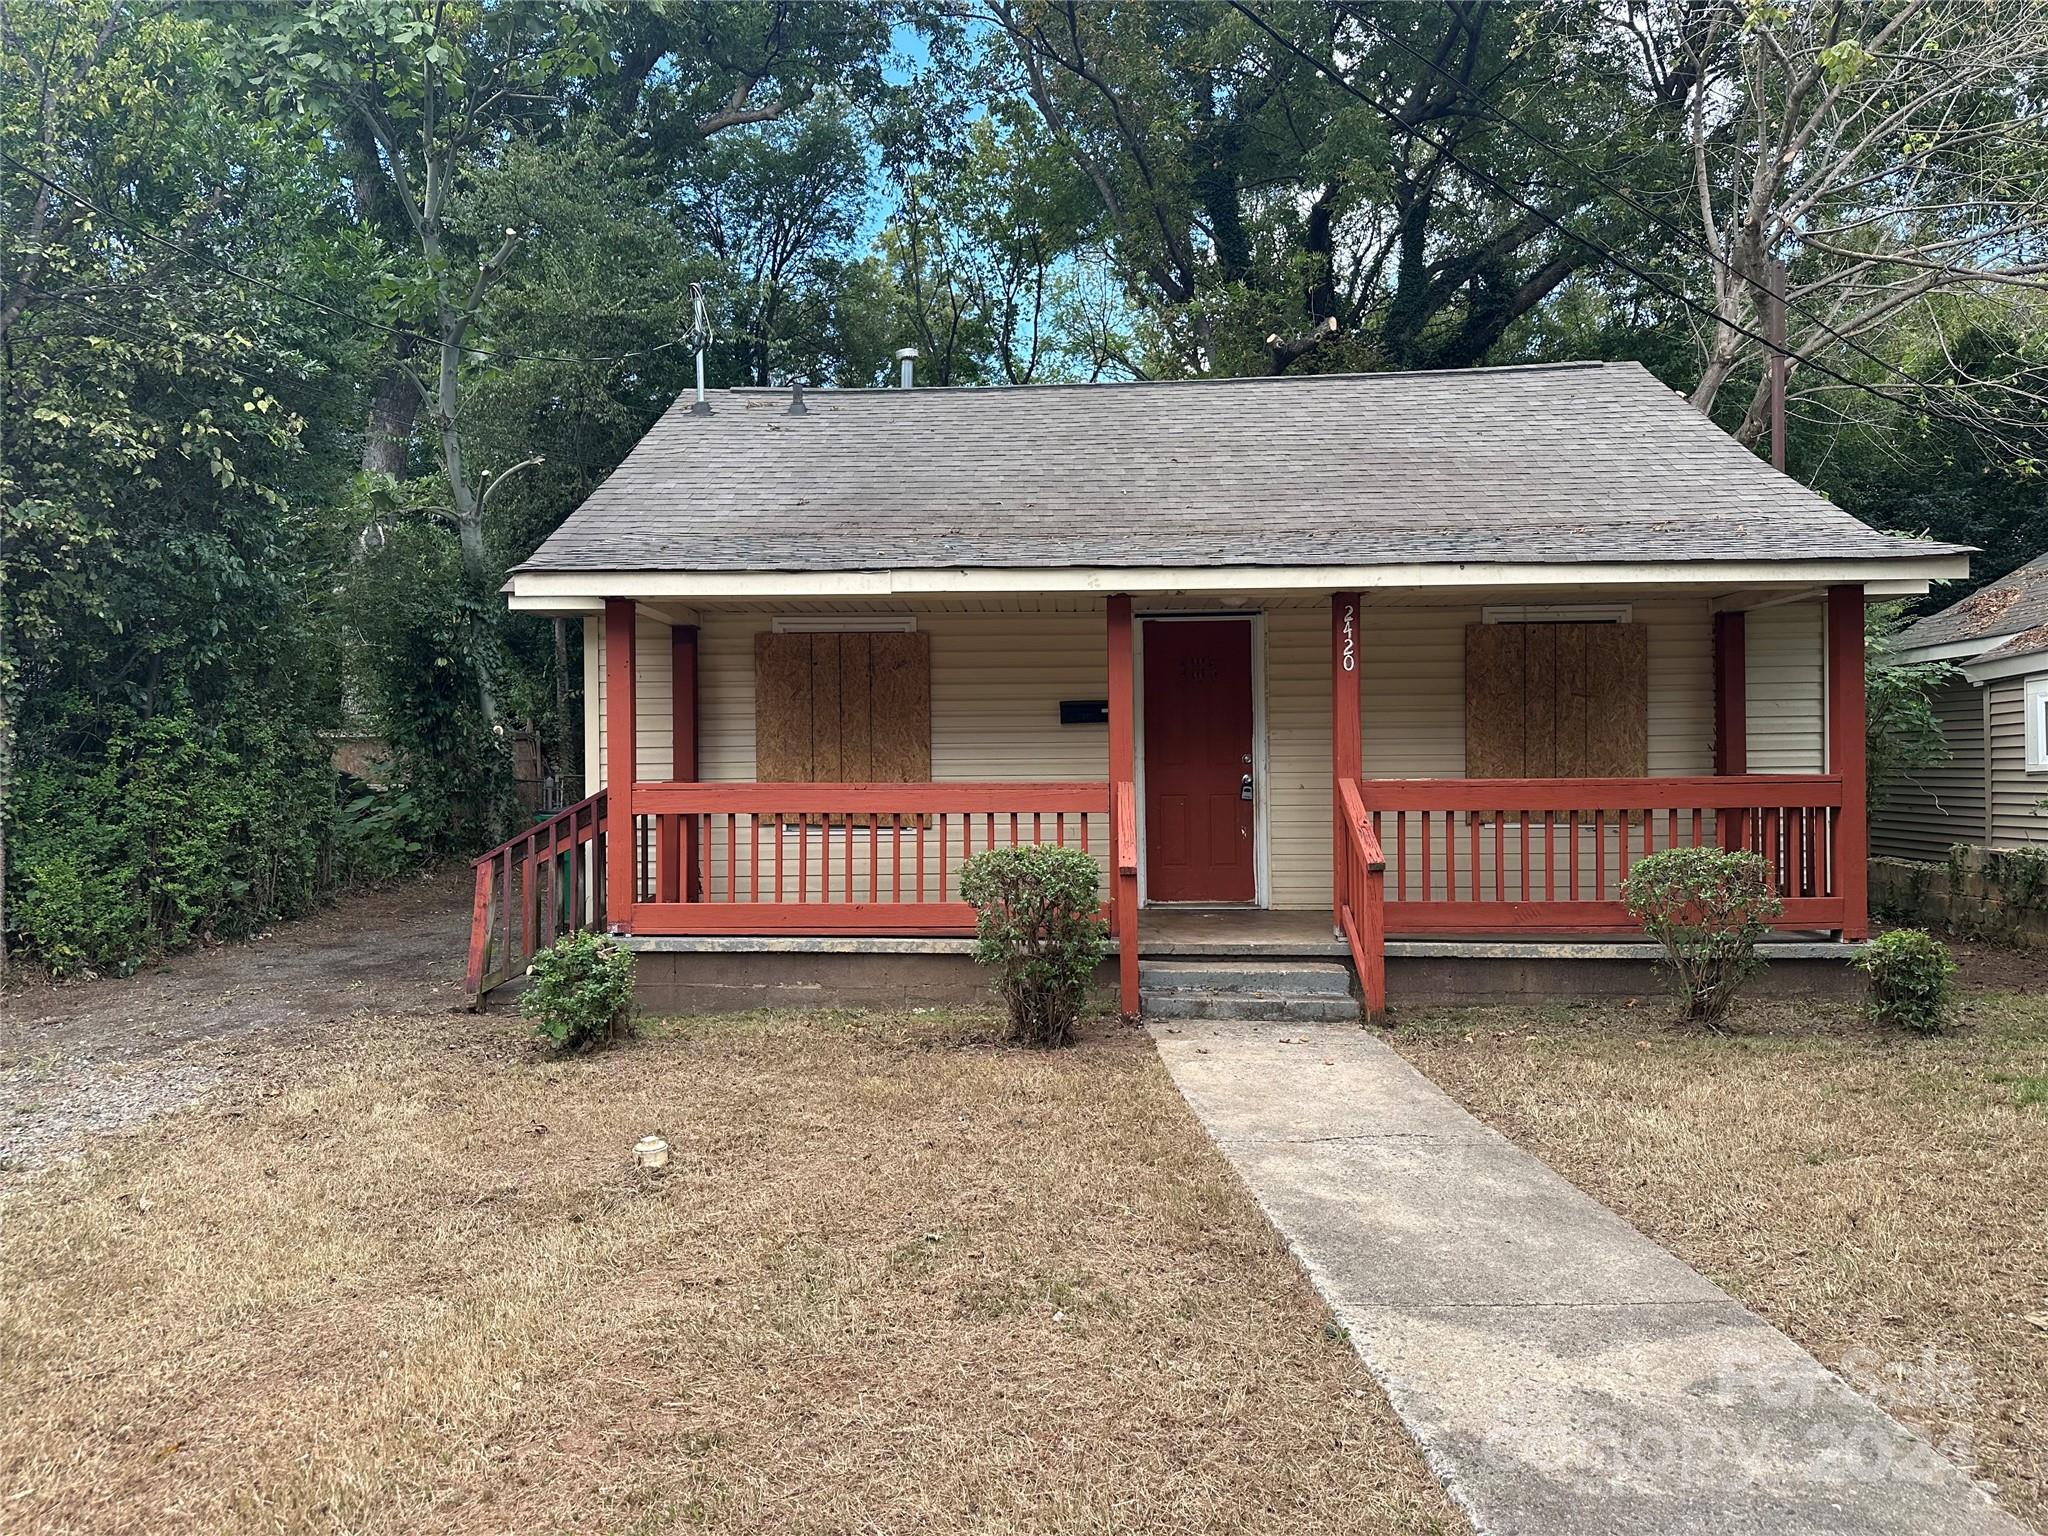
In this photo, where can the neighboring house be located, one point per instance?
(1993, 789)
(1429, 655)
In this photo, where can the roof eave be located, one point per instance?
(1991, 669)
(1902, 575)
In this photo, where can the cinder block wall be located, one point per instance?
(2000, 894)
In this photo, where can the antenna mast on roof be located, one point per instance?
(700, 338)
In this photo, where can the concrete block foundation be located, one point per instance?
(732, 975)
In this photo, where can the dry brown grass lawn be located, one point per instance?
(898, 1280)
(1878, 1197)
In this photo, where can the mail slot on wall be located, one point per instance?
(1084, 711)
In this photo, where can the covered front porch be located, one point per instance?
(1410, 859)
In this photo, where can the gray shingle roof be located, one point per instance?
(2028, 642)
(1568, 463)
(2009, 605)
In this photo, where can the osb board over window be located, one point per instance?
(1557, 701)
(843, 708)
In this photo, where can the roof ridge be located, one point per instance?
(859, 390)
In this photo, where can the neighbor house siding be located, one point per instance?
(1927, 811)
(2017, 816)
(1787, 678)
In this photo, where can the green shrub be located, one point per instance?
(1038, 917)
(1912, 980)
(173, 832)
(1708, 909)
(579, 992)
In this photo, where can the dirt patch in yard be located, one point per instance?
(898, 1279)
(90, 1058)
(1881, 1198)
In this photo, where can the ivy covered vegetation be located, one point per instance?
(316, 318)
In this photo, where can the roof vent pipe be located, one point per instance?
(796, 399)
(907, 356)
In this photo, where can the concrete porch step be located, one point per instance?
(1251, 978)
(1278, 1010)
(1290, 991)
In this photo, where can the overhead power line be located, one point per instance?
(1329, 69)
(1684, 231)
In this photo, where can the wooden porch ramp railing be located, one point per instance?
(1362, 896)
(785, 859)
(547, 881)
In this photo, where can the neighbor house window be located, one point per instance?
(1556, 700)
(2037, 724)
(838, 707)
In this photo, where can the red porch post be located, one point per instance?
(681, 879)
(1846, 756)
(1731, 714)
(1346, 743)
(1123, 801)
(621, 762)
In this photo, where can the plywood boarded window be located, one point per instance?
(1557, 701)
(843, 708)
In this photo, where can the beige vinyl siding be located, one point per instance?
(1298, 819)
(998, 677)
(2017, 817)
(1927, 811)
(1412, 688)
(997, 680)
(653, 701)
(1412, 714)
(1786, 672)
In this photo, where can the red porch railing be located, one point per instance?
(547, 881)
(836, 858)
(1362, 904)
(1514, 855)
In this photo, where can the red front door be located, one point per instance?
(1198, 760)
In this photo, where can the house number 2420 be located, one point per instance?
(1350, 637)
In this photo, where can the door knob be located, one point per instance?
(1244, 788)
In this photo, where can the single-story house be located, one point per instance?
(1992, 792)
(1402, 657)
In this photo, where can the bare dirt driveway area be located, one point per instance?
(94, 1057)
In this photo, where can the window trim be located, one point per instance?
(2034, 704)
(1557, 613)
(844, 624)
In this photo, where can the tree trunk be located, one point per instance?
(394, 411)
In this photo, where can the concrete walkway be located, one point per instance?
(1562, 1373)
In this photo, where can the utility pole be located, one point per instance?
(1774, 333)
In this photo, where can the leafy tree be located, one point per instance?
(167, 485)
(1902, 733)
(1896, 152)
(779, 210)
(443, 105)
(987, 258)
(1266, 217)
